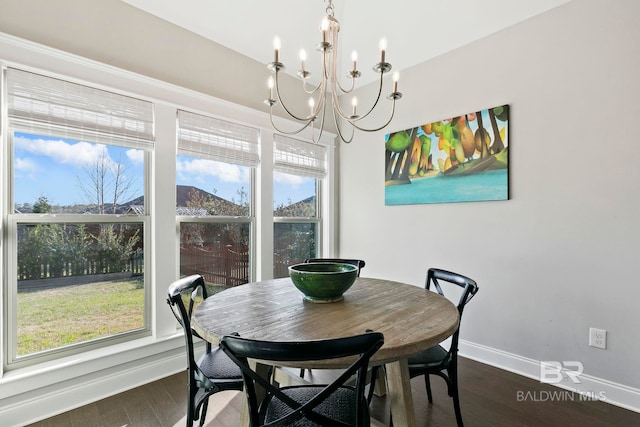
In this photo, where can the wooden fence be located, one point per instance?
(225, 266)
(135, 266)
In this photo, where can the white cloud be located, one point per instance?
(25, 165)
(136, 156)
(286, 178)
(198, 168)
(79, 154)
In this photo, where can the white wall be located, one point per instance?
(562, 254)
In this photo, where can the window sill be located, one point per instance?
(92, 364)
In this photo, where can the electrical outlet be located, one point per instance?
(598, 338)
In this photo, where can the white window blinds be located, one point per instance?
(297, 157)
(215, 139)
(52, 106)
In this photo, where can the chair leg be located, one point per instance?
(427, 384)
(456, 406)
(453, 392)
(372, 383)
(203, 411)
(190, 409)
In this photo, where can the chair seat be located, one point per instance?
(433, 356)
(339, 406)
(217, 365)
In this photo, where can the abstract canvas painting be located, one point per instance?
(459, 159)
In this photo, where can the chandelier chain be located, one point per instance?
(329, 8)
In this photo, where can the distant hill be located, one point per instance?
(184, 193)
(303, 208)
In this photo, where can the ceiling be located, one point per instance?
(429, 27)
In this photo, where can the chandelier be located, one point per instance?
(328, 49)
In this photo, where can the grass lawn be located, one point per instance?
(63, 315)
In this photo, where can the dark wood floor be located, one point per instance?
(489, 397)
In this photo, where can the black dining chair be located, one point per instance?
(357, 262)
(332, 404)
(213, 371)
(437, 360)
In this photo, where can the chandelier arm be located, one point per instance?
(322, 99)
(306, 125)
(312, 91)
(350, 119)
(336, 120)
(346, 91)
(334, 77)
(324, 114)
(309, 123)
(393, 110)
(300, 119)
(337, 108)
(375, 104)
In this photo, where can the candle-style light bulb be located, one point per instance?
(312, 104)
(324, 27)
(396, 77)
(270, 84)
(276, 48)
(354, 104)
(303, 57)
(354, 59)
(383, 48)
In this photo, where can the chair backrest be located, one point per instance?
(469, 289)
(193, 289)
(364, 346)
(357, 262)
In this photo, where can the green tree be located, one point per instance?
(41, 252)
(77, 249)
(304, 208)
(42, 205)
(113, 247)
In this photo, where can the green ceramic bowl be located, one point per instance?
(323, 281)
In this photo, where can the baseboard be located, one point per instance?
(590, 387)
(112, 381)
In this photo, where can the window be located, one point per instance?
(77, 228)
(51, 121)
(299, 168)
(215, 181)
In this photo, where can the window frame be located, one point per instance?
(213, 147)
(297, 164)
(11, 220)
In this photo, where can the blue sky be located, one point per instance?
(53, 167)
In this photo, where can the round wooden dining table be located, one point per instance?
(410, 317)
